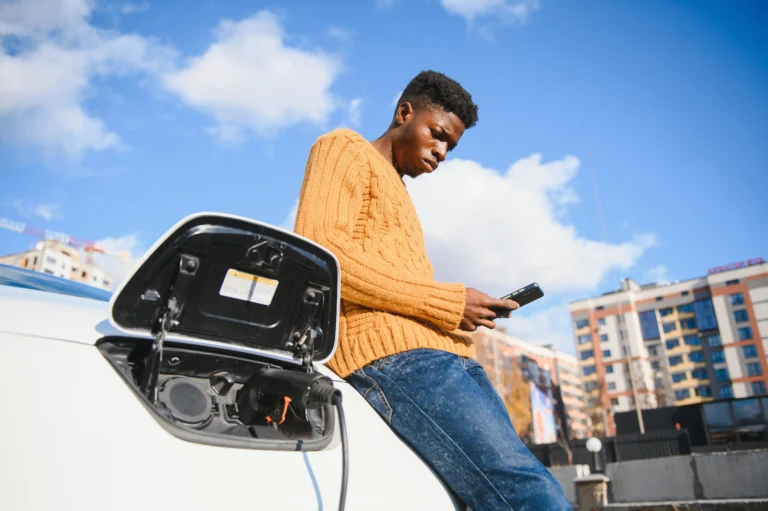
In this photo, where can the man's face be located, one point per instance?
(428, 134)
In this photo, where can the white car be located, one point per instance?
(199, 384)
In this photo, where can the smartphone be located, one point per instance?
(525, 295)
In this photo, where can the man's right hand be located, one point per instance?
(481, 309)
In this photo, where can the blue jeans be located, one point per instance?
(445, 407)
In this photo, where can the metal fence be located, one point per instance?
(654, 444)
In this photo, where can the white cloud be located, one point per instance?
(506, 10)
(500, 231)
(397, 98)
(48, 211)
(658, 274)
(342, 35)
(249, 79)
(128, 248)
(290, 219)
(383, 4)
(546, 326)
(354, 112)
(49, 55)
(129, 8)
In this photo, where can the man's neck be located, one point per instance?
(383, 145)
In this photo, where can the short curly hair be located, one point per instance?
(436, 89)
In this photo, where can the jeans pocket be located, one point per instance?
(370, 389)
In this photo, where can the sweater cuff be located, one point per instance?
(444, 306)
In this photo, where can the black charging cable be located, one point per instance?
(257, 398)
(326, 392)
(344, 451)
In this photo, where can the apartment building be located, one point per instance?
(57, 258)
(520, 370)
(677, 344)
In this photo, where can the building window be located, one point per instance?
(587, 370)
(682, 394)
(50, 260)
(604, 338)
(722, 374)
(584, 339)
(704, 391)
(607, 353)
(673, 361)
(611, 385)
(705, 314)
(601, 322)
(696, 356)
(700, 373)
(587, 354)
(106, 283)
(692, 340)
(726, 392)
(688, 307)
(737, 299)
(615, 401)
(48, 271)
(689, 324)
(678, 377)
(714, 340)
(666, 312)
(648, 325)
(684, 293)
(590, 386)
(653, 350)
(745, 333)
(668, 327)
(600, 307)
(582, 323)
(673, 343)
(740, 316)
(758, 388)
(659, 298)
(754, 369)
(609, 369)
(749, 351)
(718, 356)
(655, 365)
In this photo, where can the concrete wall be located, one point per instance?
(652, 480)
(566, 475)
(732, 475)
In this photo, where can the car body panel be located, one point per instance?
(74, 435)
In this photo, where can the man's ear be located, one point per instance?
(404, 113)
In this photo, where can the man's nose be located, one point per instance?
(440, 151)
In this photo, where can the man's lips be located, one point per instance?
(432, 164)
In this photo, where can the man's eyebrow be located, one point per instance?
(447, 133)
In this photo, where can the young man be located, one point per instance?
(399, 343)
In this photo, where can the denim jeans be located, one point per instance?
(445, 407)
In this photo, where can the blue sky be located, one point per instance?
(118, 119)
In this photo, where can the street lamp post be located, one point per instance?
(593, 446)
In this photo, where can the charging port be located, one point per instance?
(228, 399)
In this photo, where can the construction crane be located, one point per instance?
(90, 247)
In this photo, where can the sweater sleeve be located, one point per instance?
(336, 179)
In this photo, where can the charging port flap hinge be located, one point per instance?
(307, 331)
(171, 311)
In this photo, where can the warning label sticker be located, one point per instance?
(247, 287)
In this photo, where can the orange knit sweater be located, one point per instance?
(354, 203)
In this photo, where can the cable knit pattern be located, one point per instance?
(354, 203)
